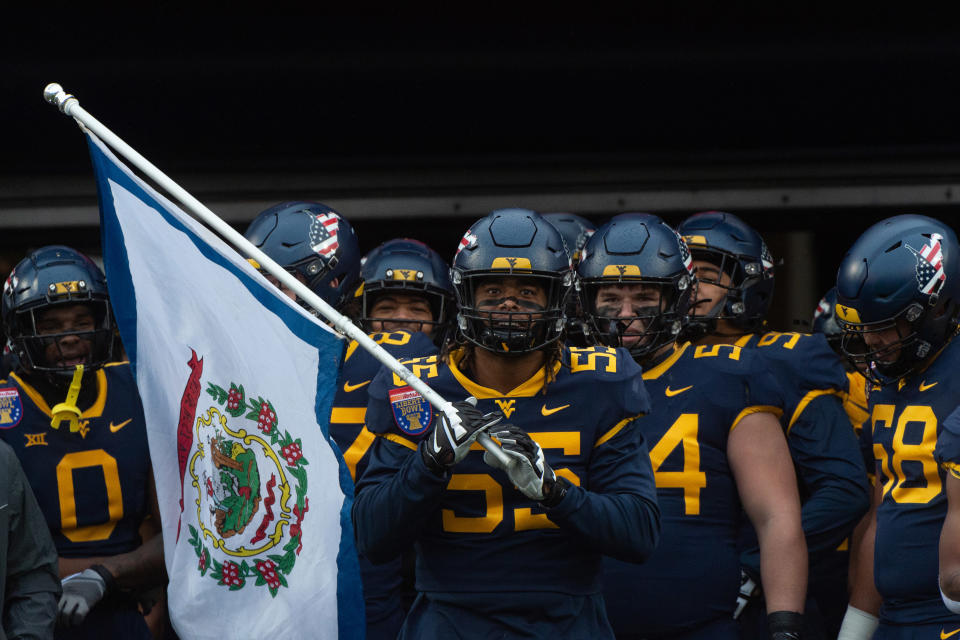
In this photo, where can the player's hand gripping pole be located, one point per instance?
(69, 105)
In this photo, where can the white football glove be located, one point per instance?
(527, 469)
(81, 593)
(749, 591)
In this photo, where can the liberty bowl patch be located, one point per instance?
(411, 411)
(11, 408)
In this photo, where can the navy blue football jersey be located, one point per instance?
(91, 485)
(477, 538)
(907, 422)
(383, 584)
(350, 403)
(804, 363)
(832, 477)
(700, 394)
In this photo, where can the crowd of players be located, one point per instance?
(667, 468)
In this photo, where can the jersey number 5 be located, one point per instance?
(523, 517)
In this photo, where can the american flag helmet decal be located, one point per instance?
(823, 308)
(323, 234)
(766, 260)
(929, 268)
(685, 253)
(468, 241)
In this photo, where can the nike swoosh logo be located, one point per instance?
(353, 387)
(116, 427)
(4, 506)
(952, 633)
(548, 412)
(924, 387)
(671, 392)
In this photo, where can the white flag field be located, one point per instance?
(237, 383)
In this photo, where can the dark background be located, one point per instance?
(393, 104)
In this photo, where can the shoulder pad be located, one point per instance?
(399, 344)
(804, 360)
(424, 368)
(601, 362)
(393, 408)
(741, 376)
(718, 353)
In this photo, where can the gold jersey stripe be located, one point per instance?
(348, 415)
(807, 399)
(615, 430)
(392, 437)
(760, 408)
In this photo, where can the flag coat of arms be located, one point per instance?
(237, 384)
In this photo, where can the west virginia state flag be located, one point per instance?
(237, 384)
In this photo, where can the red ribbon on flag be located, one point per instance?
(267, 503)
(188, 410)
(295, 529)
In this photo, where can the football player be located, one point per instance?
(510, 550)
(898, 304)
(736, 279)
(406, 303)
(320, 248)
(86, 457)
(716, 443)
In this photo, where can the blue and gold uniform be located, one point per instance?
(690, 584)
(350, 403)
(831, 475)
(384, 589)
(91, 485)
(906, 420)
(491, 562)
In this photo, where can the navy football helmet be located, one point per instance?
(738, 251)
(314, 241)
(406, 266)
(49, 277)
(637, 249)
(902, 275)
(517, 243)
(825, 320)
(575, 230)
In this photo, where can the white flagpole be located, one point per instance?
(69, 105)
